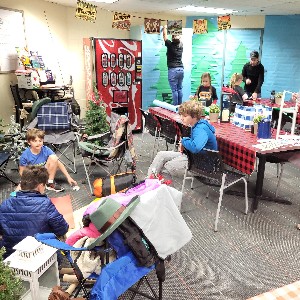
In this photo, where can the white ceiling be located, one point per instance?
(157, 7)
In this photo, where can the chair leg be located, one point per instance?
(220, 202)
(246, 196)
(279, 179)
(87, 175)
(184, 178)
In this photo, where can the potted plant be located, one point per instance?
(257, 119)
(214, 111)
(11, 287)
(278, 98)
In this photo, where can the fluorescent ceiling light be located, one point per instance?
(208, 10)
(104, 1)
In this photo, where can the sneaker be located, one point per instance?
(54, 187)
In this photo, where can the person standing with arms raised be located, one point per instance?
(175, 65)
(253, 76)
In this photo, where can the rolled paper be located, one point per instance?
(166, 105)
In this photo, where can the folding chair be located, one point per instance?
(151, 123)
(60, 126)
(119, 275)
(208, 165)
(169, 130)
(4, 158)
(117, 148)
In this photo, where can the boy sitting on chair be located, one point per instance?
(40, 155)
(30, 211)
(202, 136)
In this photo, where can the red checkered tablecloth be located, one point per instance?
(287, 292)
(234, 143)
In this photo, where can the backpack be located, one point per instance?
(134, 238)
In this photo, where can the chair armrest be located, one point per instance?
(99, 136)
(92, 148)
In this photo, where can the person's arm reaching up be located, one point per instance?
(165, 34)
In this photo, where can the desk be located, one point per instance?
(236, 148)
(287, 292)
(53, 92)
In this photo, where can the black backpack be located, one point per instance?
(138, 243)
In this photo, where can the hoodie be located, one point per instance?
(202, 136)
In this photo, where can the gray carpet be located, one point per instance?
(250, 254)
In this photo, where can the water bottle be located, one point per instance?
(272, 97)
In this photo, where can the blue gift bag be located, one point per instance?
(264, 129)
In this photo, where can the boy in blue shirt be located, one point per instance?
(40, 155)
(202, 136)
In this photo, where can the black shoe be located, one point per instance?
(54, 187)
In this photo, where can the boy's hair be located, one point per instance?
(34, 133)
(235, 78)
(32, 176)
(192, 108)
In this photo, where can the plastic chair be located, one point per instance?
(117, 147)
(209, 167)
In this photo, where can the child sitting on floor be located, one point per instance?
(202, 136)
(30, 211)
(40, 155)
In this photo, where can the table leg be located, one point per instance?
(259, 186)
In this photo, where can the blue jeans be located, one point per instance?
(175, 77)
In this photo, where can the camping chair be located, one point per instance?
(4, 158)
(119, 275)
(208, 165)
(117, 147)
(151, 123)
(60, 126)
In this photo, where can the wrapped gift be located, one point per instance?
(243, 116)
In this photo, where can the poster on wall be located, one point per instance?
(121, 21)
(174, 27)
(86, 11)
(199, 26)
(224, 23)
(12, 35)
(152, 26)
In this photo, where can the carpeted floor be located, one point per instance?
(250, 254)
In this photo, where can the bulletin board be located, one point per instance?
(12, 35)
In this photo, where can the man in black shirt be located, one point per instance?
(253, 76)
(175, 66)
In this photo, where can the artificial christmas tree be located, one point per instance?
(96, 117)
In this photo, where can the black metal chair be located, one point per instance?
(208, 166)
(152, 125)
(20, 109)
(169, 130)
